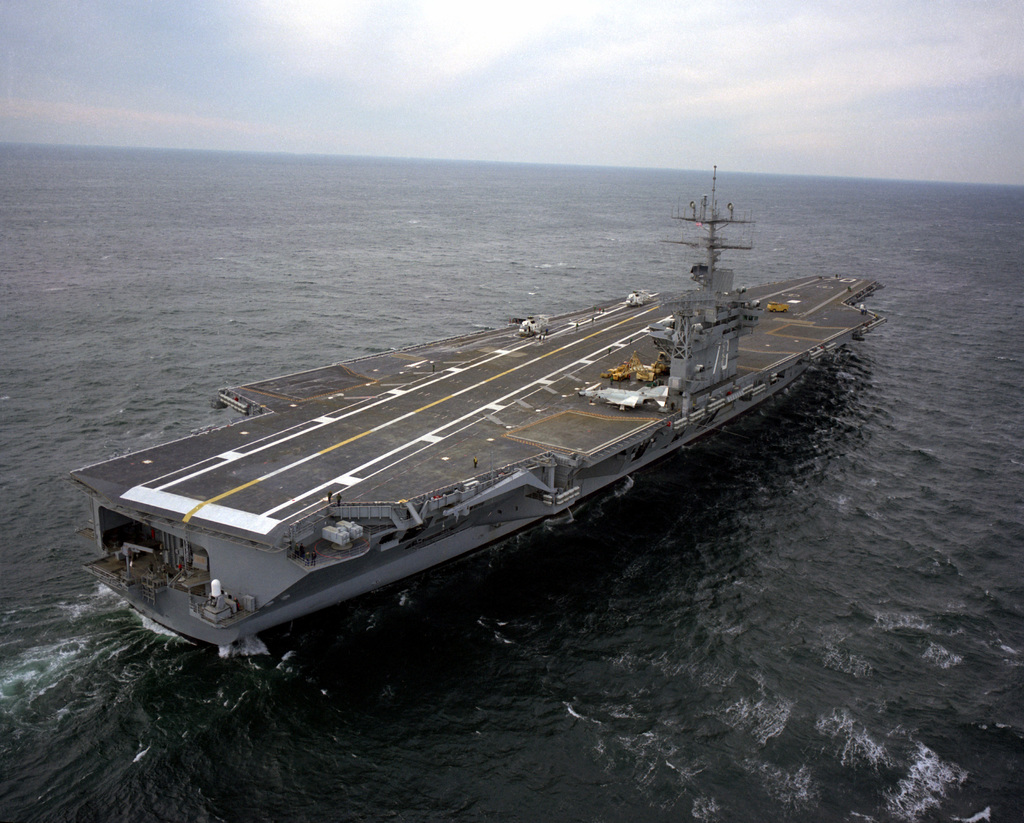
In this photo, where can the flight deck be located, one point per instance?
(416, 422)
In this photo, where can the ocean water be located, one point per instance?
(817, 614)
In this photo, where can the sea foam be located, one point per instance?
(925, 785)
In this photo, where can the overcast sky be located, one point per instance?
(912, 89)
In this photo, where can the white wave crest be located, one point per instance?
(100, 600)
(889, 621)
(156, 628)
(794, 789)
(941, 657)
(856, 744)
(572, 711)
(623, 487)
(984, 814)
(250, 646)
(764, 719)
(924, 786)
(35, 671)
(705, 809)
(843, 661)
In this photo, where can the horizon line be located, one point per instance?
(468, 161)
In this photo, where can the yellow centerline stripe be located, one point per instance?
(188, 516)
(339, 445)
(352, 439)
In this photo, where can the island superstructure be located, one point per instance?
(344, 478)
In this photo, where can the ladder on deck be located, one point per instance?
(151, 584)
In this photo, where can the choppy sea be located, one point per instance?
(817, 614)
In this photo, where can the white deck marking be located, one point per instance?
(180, 504)
(236, 517)
(165, 500)
(238, 455)
(304, 427)
(346, 480)
(789, 288)
(822, 304)
(433, 435)
(192, 512)
(383, 468)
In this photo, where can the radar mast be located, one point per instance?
(702, 341)
(706, 217)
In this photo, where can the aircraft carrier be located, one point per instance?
(347, 477)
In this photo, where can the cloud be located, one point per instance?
(407, 48)
(401, 49)
(789, 86)
(76, 114)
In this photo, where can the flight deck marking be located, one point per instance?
(350, 479)
(303, 427)
(471, 415)
(539, 382)
(360, 469)
(391, 422)
(244, 486)
(788, 333)
(177, 503)
(192, 511)
(300, 428)
(789, 288)
(824, 303)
